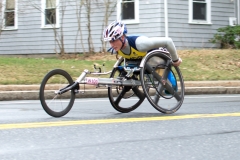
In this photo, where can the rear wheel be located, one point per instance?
(56, 105)
(163, 85)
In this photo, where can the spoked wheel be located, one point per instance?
(56, 105)
(163, 85)
(125, 98)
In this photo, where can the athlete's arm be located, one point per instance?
(145, 44)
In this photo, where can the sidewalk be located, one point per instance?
(31, 92)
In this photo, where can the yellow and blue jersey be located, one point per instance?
(134, 53)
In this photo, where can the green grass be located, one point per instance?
(198, 65)
(32, 70)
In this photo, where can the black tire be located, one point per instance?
(156, 70)
(56, 105)
(123, 98)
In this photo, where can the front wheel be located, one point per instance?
(124, 98)
(56, 105)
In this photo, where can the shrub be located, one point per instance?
(228, 37)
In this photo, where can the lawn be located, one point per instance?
(198, 65)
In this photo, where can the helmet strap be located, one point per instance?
(123, 41)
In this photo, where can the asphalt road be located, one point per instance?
(205, 127)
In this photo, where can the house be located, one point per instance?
(43, 26)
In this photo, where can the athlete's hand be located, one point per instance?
(177, 63)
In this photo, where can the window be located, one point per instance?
(50, 14)
(10, 14)
(128, 11)
(200, 11)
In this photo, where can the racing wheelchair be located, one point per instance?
(130, 82)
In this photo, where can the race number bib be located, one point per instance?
(92, 81)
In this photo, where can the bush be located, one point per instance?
(228, 37)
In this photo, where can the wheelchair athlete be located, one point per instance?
(136, 47)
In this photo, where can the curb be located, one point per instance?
(100, 93)
(31, 92)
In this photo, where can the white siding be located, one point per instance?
(30, 38)
(187, 35)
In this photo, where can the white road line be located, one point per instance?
(104, 100)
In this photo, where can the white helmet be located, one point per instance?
(114, 31)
